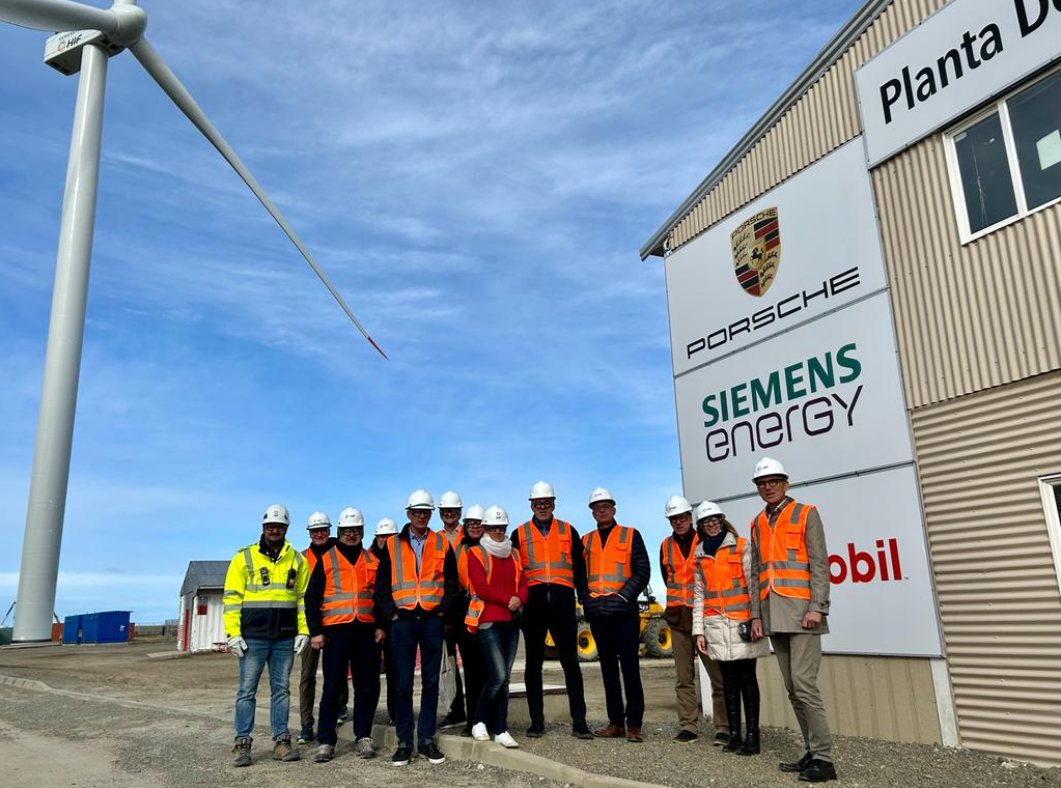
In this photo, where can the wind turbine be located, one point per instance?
(94, 35)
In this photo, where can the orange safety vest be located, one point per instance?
(608, 566)
(476, 606)
(459, 531)
(725, 587)
(426, 589)
(460, 551)
(678, 572)
(784, 566)
(547, 560)
(348, 588)
(311, 559)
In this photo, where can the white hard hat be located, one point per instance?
(318, 520)
(450, 500)
(386, 526)
(708, 509)
(600, 494)
(421, 499)
(676, 505)
(277, 513)
(351, 518)
(542, 490)
(495, 515)
(768, 466)
(474, 512)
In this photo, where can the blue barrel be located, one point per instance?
(72, 630)
(113, 627)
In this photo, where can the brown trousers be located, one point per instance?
(681, 625)
(798, 657)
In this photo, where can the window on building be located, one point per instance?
(1005, 162)
(1050, 490)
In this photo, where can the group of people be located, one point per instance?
(469, 588)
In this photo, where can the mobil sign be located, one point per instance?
(822, 394)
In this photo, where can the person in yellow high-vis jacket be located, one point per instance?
(265, 623)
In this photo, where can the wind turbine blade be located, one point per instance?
(57, 15)
(167, 80)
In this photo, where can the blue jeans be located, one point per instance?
(279, 654)
(500, 641)
(406, 635)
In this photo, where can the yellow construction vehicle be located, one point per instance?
(656, 639)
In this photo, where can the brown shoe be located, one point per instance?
(634, 734)
(612, 731)
(283, 751)
(242, 751)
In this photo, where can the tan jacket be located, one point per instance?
(783, 614)
(723, 637)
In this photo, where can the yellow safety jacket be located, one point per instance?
(265, 598)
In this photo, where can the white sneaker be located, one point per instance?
(506, 741)
(479, 732)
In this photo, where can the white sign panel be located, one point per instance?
(954, 61)
(881, 594)
(803, 249)
(825, 399)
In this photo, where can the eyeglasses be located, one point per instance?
(765, 483)
(542, 503)
(274, 527)
(494, 528)
(419, 513)
(602, 507)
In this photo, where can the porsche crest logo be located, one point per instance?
(757, 251)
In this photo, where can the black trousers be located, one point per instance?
(358, 653)
(619, 647)
(474, 669)
(453, 637)
(555, 614)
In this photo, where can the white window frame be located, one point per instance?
(1053, 521)
(1001, 106)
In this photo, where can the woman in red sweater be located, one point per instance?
(500, 592)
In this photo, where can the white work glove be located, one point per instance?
(301, 641)
(237, 646)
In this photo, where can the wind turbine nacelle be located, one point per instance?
(63, 50)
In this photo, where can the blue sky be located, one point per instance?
(477, 179)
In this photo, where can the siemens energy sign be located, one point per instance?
(783, 345)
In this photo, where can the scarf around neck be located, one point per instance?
(496, 549)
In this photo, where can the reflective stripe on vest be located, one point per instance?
(409, 589)
(547, 559)
(608, 566)
(311, 559)
(725, 587)
(784, 566)
(476, 606)
(348, 589)
(275, 593)
(678, 572)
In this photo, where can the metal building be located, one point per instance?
(922, 145)
(201, 624)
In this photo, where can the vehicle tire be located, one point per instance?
(585, 643)
(658, 639)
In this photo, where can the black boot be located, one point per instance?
(750, 691)
(731, 694)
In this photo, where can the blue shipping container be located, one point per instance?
(72, 631)
(90, 627)
(113, 627)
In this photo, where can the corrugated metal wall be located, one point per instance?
(980, 458)
(822, 120)
(883, 697)
(967, 317)
(207, 630)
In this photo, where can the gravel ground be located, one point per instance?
(860, 763)
(48, 740)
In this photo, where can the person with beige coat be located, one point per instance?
(725, 605)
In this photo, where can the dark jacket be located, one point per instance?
(625, 602)
(315, 598)
(451, 589)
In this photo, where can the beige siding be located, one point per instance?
(980, 458)
(888, 698)
(967, 317)
(823, 119)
